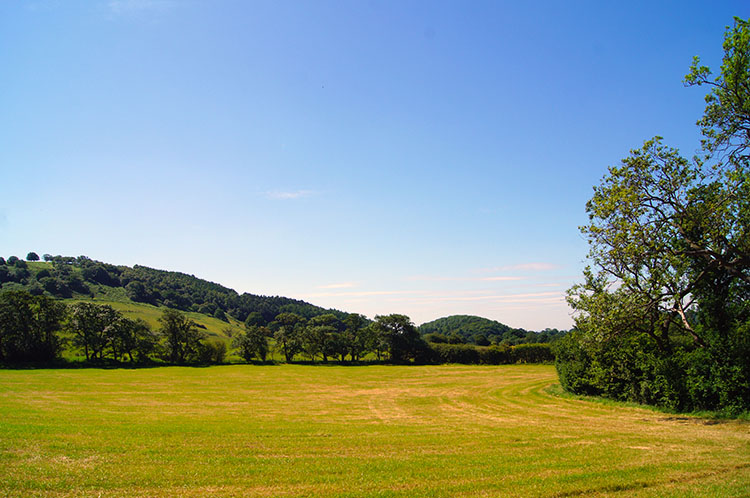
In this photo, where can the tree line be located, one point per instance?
(38, 328)
(663, 314)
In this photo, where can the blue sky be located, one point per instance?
(425, 158)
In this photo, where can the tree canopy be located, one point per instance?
(29, 327)
(663, 314)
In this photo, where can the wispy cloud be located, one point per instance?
(456, 296)
(359, 294)
(539, 266)
(427, 278)
(531, 297)
(517, 298)
(342, 285)
(532, 309)
(284, 195)
(129, 7)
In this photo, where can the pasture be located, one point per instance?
(294, 430)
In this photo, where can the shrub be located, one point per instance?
(212, 351)
(532, 353)
(494, 355)
(455, 353)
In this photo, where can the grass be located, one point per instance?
(295, 430)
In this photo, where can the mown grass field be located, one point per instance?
(295, 430)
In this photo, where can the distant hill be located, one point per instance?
(483, 331)
(84, 278)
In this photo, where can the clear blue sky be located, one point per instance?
(426, 158)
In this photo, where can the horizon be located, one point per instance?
(422, 158)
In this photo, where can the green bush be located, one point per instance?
(632, 368)
(532, 353)
(212, 351)
(455, 353)
(494, 355)
(574, 365)
(469, 354)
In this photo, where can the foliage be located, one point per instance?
(455, 353)
(662, 316)
(288, 334)
(254, 342)
(358, 337)
(401, 338)
(32, 256)
(183, 339)
(29, 326)
(470, 354)
(459, 329)
(495, 354)
(211, 351)
(532, 353)
(726, 121)
(133, 338)
(323, 336)
(93, 326)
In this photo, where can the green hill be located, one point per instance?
(483, 331)
(140, 291)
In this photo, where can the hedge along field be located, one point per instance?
(295, 430)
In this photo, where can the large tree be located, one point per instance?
(91, 325)
(182, 336)
(29, 327)
(128, 337)
(288, 335)
(322, 336)
(400, 336)
(253, 343)
(358, 337)
(663, 314)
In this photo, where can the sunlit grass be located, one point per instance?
(294, 430)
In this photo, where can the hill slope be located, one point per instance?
(139, 289)
(478, 330)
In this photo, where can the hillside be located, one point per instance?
(482, 331)
(140, 290)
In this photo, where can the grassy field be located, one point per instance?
(296, 430)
